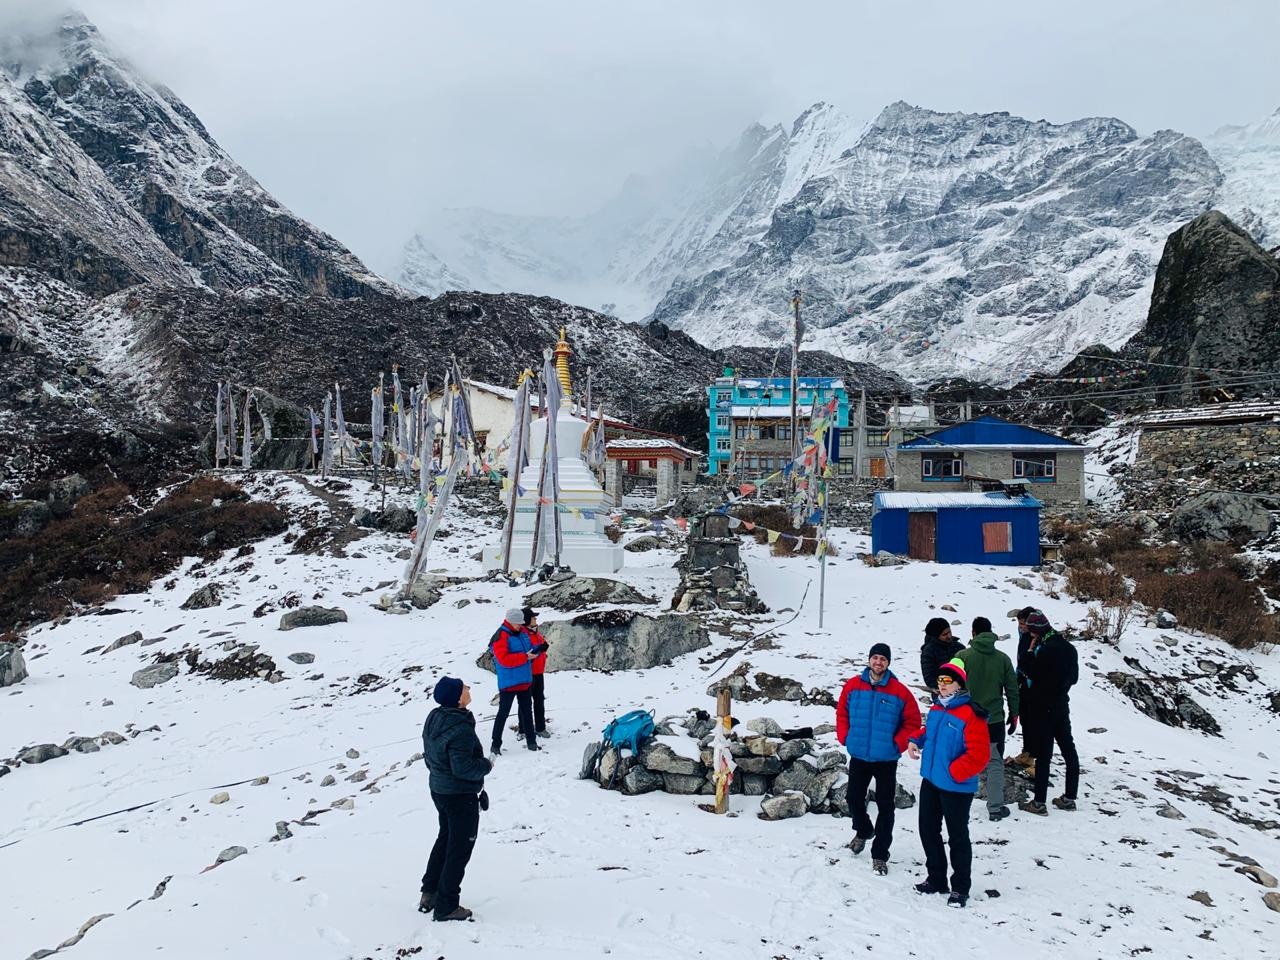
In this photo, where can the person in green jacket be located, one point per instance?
(992, 681)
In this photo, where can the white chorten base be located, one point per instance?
(586, 548)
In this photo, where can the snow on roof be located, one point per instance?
(646, 443)
(826, 383)
(909, 415)
(1213, 413)
(903, 500)
(770, 410)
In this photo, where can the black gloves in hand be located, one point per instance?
(539, 648)
(1013, 724)
(484, 800)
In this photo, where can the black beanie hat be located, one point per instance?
(881, 649)
(529, 614)
(933, 629)
(448, 691)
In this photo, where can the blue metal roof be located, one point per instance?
(986, 432)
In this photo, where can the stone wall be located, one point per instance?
(1177, 463)
(1068, 487)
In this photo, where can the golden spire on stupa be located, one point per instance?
(561, 354)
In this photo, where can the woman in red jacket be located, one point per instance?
(539, 666)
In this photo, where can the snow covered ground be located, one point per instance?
(563, 869)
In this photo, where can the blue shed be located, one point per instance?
(958, 527)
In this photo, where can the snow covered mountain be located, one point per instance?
(937, 244)
(1250, 160)
(182, 191)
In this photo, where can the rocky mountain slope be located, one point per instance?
(69, 97)
(933, 243)
(1249, 157)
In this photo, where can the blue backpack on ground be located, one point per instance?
(629, 730)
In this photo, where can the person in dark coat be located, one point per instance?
(956, 748)
(513, 658)
(1028, 716)
(939, 647)
(875, 716)
(1052, 669)
(457, 764)
(992, 681)
(538, 689)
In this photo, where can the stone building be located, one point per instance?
(988, 450)
(648, 461)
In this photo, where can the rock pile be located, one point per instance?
(712, 573)
(790, 770)
(768, 687)
(576, 593)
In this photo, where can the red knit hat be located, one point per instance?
(955, 670)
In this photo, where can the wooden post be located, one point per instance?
(724, 777)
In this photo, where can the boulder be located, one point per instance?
(753, 784)
(886, 559)
(23, 518)
(765, 766)
(42, 752)
(13, 668)
(220, 797)
(784, 807)
(615, 765)
(154, 675)
(1165, 620)
(579, 592)
(832, 760)
(617, 640)
(302, 657)
(643, 544)
(790, 750)
(639, 780)
(425, 592)
(312, 617)
(346, 803)
(838, 797)
(761, 746)
(1165, 701)
(684, 784)
(660, 758)
(127, 640)
(64, 493)
(398, 520)
(1272, 900)
(764, 726)
(1232, 517)
(805, 778)
(210, 595)
(230, 854)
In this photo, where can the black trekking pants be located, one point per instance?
(524, 711)
(937, 806)
(539, 703)
(459, 825)
(885, 774)
(1055, 727)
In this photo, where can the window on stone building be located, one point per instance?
(1039, 468)
(947, 466)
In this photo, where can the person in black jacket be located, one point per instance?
(938, 648)
(1052, 669)
(1029, 715)
(458, 766)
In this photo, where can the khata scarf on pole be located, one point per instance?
(219, 428)
(245, 452)
(326, 448)
(375, 420)
(231, 422)
(341, 421)
(548, 536)
(517, 457)
(314, 420)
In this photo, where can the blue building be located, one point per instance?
(749, 420)
(958, 527)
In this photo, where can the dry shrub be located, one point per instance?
(1097, 583)
(1217, 601)
(613, 532)
(108, 546)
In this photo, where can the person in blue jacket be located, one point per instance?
(956, 749)
(875, 717)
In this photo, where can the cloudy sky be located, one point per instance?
(363, 117)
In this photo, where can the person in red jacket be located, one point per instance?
(957, 746)
(539, 669)
(513, 658)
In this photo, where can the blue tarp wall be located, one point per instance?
(959, 534)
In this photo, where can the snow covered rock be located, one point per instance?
(784, 807)
(618, 640)
(1221, 516)
(302, 657)
(13, 668)
(580, 592)
(220, 797)
(154, 675)
(210, 595)
(764, 726)
(42, 752)
(312, 617)
(684, 784)
(639, 780)
(643, 544)
(424, 593)
(231, 853)
(127, 640)
(1165, 701)
(660, 758)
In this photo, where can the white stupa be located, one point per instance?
(586, 548)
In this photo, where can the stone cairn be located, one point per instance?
(712, 573)
(789, 770)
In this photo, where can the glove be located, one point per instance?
(539, 648)
(1013, 724)
(484, 800)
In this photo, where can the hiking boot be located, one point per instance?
(998, 814)
(459, 913)
(427, 903)
(930, 887)
(957, 899)
(1064, 803)
(496, 749)
(1023, 759)
(1031, 806)
(881, 867)
(544, 734)
(534, 746)
(857, 844)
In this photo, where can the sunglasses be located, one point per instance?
(945, 682)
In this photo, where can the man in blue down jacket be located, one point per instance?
(458, 766)
(875, 716)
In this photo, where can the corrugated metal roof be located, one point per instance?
(906, 500)
(988, 432)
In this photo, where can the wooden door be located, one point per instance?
(879, 468)
(922, 536)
